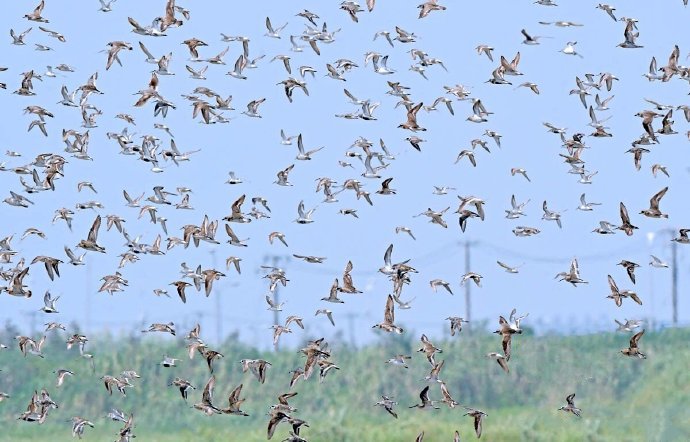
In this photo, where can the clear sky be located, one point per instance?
(251, 147)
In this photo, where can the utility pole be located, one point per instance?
(274, 261)
(674, 282)
(219, 306)
(87, 302)
(32, 321)
(674, 271)
(351, 328)
(468, 286)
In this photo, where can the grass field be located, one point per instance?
(622, 399)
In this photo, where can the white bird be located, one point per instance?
(656, 262)
(569, 49)
(585, 206)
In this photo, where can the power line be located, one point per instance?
(559, 259)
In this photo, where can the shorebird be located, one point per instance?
(273, 32)
(474, 277)
(333, 294)
(36, 14)
(90, 242)
(508, 268)
(608, 9)
(629, 324)
(455, 324)
(183, 385)
(682, 237)
(348, 286)
(653, 211)
(485, 49)
(656, 168)
(569, 49)
(159, 327)
(550, 215)
(426, 403)
(516, 210)
(304, 217)
(277, 235)
(257, 367)
(435, 217)
(656, 262)
(328, 313)
(585, 206)
(387, 403)
(572, 276)
(206, 404)
(633, 350)
(570, 407)
(399, 360)
(234, 240)
(234, 403)
(477, 202)
(625, 221)
(411, 123)
(427, 7)
(618, 295)
(434, 283)
(311, 259)
(478, 416)
(531, 39)
(429, 349)
(629, 267)
(447, 398)
(51, 264)
(521, 171)
(388, 324)
(274, 306)
(630, 36)
(49, 303)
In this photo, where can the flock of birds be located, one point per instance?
(44, 173)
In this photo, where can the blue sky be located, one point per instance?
(251, 147)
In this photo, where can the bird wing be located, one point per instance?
(93, 233)
(389, 312)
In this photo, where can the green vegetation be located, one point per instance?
(623, 399)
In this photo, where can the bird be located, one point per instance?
(570, 406)
(90, 243)
(333, 294)
(49, 303)
(388, 324)
(426, 403)
(569, 49)
(653, 211)
(387, 403)
(633, 350)
(508, 268)
(434, 283)
(629, 325)
(585, 206)
(478, 416)
(455, 324)
(61, 374)
(626, 226)
(618, 295)
(328, 313)
(531, 40)
(656, 262)
(629, 267)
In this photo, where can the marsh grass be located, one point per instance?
(622, 399)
